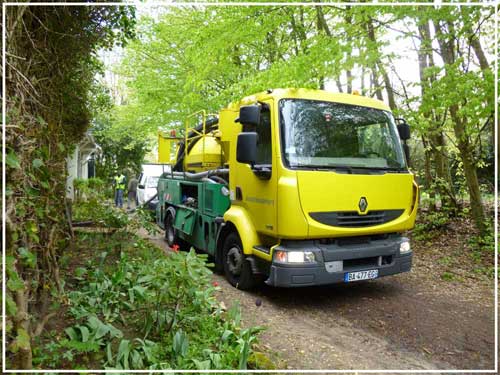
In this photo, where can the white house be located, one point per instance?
(81, 163)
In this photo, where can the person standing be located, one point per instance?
(132, 192)
(119, 182)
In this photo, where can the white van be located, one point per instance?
(148, 182)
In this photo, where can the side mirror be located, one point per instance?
(140, 186)
(249, 115)
(403, 130)
(246, 148)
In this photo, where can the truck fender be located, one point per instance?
(237, 218)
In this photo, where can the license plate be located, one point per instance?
(360, 275)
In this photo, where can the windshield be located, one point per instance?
(152, 182)
(329, 135)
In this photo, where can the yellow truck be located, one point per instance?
(295, 187)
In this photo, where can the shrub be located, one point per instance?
(148, 310)
(429, 223)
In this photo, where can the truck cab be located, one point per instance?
(319, 190)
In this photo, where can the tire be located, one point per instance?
(237, 269)
(171, 235)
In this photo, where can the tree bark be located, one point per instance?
(339, 84)
(443, 182)
(485, 68)
(375, 74)
(388, 87)
(362, 78)
(465, 147)
(374, 84)
(348, 74)
(428, 181)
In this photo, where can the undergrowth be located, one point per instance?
(131, 306)
(432, 230)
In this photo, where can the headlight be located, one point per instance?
(281, 256)
(404, 247)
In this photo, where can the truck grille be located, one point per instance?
(351, 219)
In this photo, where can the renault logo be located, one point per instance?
(363, 204)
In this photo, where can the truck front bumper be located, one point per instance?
(382, 255)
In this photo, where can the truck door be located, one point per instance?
(257, 187)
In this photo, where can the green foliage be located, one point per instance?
(447, 276)
(12, 161)
(147, 310)
(21, 341)
(91, 204)
(101, 213)
(429, 224)
(146, 219)
(484, 243)
(124, 142)
(87, 189)
(90, 337)
(483, 248)
(50, 69)
(178, 67)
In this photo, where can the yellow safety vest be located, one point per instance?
(120, 182)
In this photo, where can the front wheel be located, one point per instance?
(236, 267)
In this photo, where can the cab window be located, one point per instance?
(264, 149)
(263, 130)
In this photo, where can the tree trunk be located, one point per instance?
(374, 84)
(466, 153)
(363, 89)
(443, 182)
(465, 147)
(429, 181)
(339, 84)
(375, 77)
(388, 87)
(485, 68)
(349, 81)
(348, 21)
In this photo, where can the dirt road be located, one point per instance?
(410, 321)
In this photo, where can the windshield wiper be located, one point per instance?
(395, 169)
(348, 168)
(325, 166)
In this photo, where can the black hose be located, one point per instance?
(144, 204)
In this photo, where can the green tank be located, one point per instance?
(191, 211)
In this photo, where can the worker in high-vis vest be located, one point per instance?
(119, 181)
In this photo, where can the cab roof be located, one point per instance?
(321, 95)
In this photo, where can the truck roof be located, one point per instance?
(311, 94)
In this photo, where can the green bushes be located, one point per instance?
(134, 307)
(88, 188)
(92, 204)
(430, 224)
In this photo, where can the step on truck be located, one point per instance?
(293, 187)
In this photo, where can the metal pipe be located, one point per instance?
(200, 175)
(207, 179)
(220, 180)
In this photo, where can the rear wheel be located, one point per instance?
(171, 235)
(237, 268)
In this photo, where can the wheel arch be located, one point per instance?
(238, 219)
